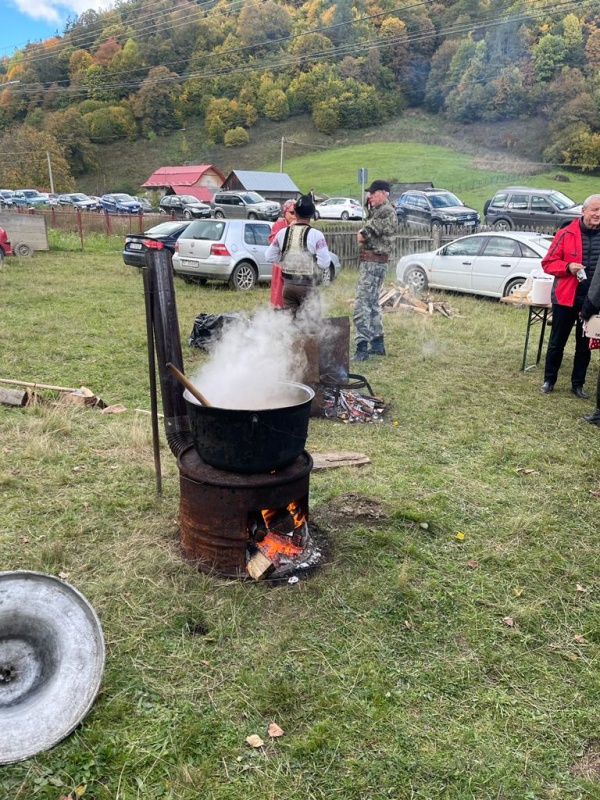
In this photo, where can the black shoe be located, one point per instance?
(377, 347)
(593, 418)
(580, 392)
(361, 352)
(546, 387)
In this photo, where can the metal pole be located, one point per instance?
(281, 156)
(50, 171)
(148, 290)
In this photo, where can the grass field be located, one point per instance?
(413, 664)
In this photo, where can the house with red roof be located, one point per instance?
(199, 180)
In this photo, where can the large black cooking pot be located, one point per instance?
(250, 441)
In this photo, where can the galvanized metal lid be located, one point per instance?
(51, 662)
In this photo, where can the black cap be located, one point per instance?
(376, 185)
(304, 208)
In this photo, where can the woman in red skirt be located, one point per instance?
(289, 217)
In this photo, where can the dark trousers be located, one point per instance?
(563, 320)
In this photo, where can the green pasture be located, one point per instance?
(416, 663)
(335, 171)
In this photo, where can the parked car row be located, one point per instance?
(230, 250)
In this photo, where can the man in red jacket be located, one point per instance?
(572, 259)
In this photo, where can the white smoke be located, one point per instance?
(252, 359)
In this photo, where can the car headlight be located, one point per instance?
(449, 217)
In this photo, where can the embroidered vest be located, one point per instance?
(296, 261)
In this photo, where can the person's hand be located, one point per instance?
(574, 268)
(360, 238)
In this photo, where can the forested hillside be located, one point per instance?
(142, 68)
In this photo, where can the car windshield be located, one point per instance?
(124, 198)
(252, 197)
(444, 200)
(205, 229)
(78, 198)
(188, 198)
(164, 229)
(561, 201)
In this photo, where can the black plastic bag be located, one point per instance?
(208, 327)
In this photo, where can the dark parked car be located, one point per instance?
(244, 205)
(184, 206)
(6, 200)
(146, 205)
(435, 208)
(77, 200)
(522, 207)
(120, 203)
(164, 234)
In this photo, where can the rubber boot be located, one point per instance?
(362, 353)
(593, 418)
(377, 347)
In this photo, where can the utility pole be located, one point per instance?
(281, 156)
(50, 171)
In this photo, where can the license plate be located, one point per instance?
(135, 246)
(470, 222)
(186, 262)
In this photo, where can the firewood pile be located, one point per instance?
(400, 298)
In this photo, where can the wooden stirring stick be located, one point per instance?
(188, 384)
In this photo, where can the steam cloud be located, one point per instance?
(254, 356)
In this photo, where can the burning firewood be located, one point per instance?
(396, 298)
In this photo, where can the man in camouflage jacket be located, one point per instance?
(375, 241)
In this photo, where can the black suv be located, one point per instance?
(523, 207)
(184, 206)
(435, 208)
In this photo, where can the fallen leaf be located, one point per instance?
(275, 731)
(508, 621)
(473, 563)
(206, 663)
(581, 639)
(63, 575)
(460, 536)
(79, 791)
(517, 592)
(527, 471)
(580, 588)
(254, 740)
(407, 624)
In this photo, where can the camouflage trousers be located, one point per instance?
(367, 311)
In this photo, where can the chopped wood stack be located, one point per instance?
(400, 298)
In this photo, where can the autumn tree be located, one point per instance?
(28, 164)
(156, 102)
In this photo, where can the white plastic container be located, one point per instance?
(541, 290)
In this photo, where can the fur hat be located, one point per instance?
(377, 185)
(304, 207)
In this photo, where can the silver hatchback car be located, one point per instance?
(231, 250)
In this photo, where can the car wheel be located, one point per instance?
(187, 214)
(416, 279)
(345, 216)
(24, 250)
(502, 225)
(243, 276)
(219, 214)
(512, 286)
(436, 225)
(252, 215)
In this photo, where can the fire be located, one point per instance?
(281, 534)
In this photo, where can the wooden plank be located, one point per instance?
(259, 566)
(341, 459)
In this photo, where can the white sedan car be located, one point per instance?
(493, 264)
(340, 208)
